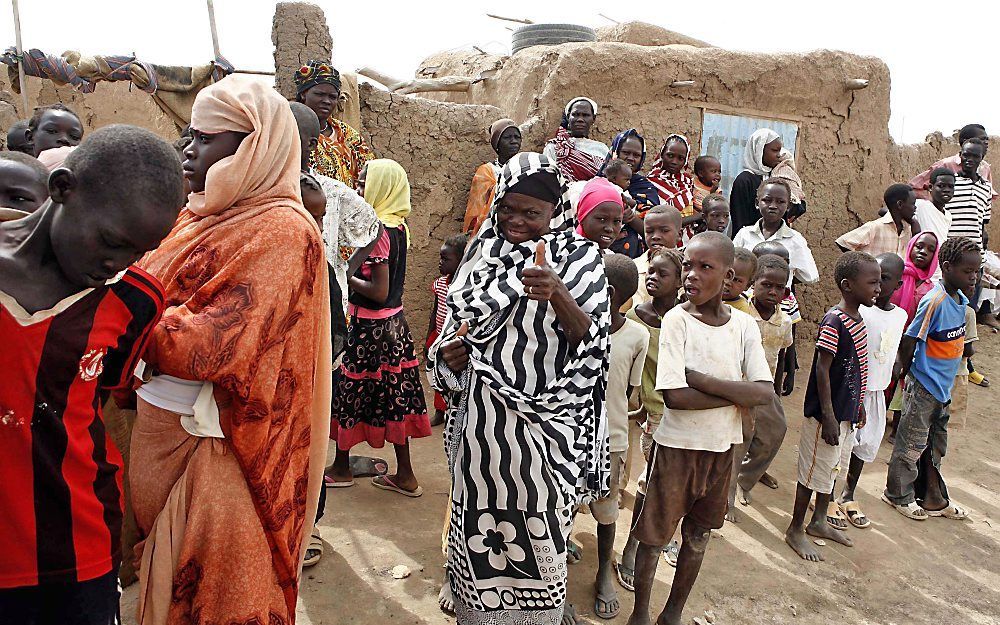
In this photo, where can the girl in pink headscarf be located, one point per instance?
(599, 212)
(918, 267)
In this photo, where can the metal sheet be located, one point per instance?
(725, 136)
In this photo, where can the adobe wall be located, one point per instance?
(110, 103)
(844, 145)
(644, 34)
(439, 145)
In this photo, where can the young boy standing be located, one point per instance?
(885, 324)
(715, 213)
(711, 364)
(889, 233)
(75, 317)
(834, 400)
(662, 230)
(451, 254)
(929, 357)
(768, 425)
(629, 341)
(932, 214)
(744, 268)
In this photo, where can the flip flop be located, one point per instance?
(620, 570)
(574, 552)
(951, 511)
(315, 546)
(833, 515)
(979, 379)
(608, 612)
(386, 483)
(670, 553)
(364, 466)
(329, 482)
(910, 511)
(854, 514)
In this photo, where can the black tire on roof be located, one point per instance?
(550, 35)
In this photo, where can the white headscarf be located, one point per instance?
(753, 153)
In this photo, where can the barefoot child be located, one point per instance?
(75, 317)
(715, 210)
(767, 425)
(834, 401)
(885, 323)
(692, 456)
(707, 175)
(629, 342)
(662, 283)
(744, 268)
(929, 357)
(24, 182)
(451, 256)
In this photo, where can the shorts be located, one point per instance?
(819, 463)
(93, 602)
(683, 483)
(868, 439)
(646, 444)
(605, 510)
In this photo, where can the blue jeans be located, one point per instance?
(923, 428)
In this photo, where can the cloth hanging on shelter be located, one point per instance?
(173, 88)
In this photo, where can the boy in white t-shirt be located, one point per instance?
(885, 323)
(931, 215)
(711, 366)
(629, 342)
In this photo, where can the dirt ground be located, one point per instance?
(899, 571)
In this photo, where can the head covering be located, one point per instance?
(540, 185)
(569, 107)
(616, 146)
(54, 158)
(640, 188)
(265, 167)
(908, 295)
(497, 128)
(314, 73)
(677, 189)
(753, 153)
(387, 189)
(596, 192)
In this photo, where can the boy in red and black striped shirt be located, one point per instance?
(75, 317)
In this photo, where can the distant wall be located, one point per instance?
(439, 145)
(643, 34)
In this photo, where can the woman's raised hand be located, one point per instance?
(454, 352)
(541, 282)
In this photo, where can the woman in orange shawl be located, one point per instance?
(229, 442)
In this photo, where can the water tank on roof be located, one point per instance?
(550, 35)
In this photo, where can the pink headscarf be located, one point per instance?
(595, 192)
(908, 295)
(53, 158)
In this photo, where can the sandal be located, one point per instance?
(854, 514)
(670, 553)
(314, 549)
(978, 379)
(611, 606)
(910, 510)
(951, 511)
(621, 572)
(834, 517)
(385, 483)
(364, 466)
(574, 552)
(332, 483)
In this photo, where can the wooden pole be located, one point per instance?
(20, 59)
(211, 23)
(516, 20)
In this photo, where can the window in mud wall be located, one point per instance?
(725, 136)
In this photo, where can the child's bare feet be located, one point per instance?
(744, 496)
(768, 480)
(438, 418)
(569, 616)
(446, 600)
(800, 543)
(639, 619)
(731, 516)
(822, 529)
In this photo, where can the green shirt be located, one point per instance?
(652, 399)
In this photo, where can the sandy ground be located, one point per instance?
(899, 571)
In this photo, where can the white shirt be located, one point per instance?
(349, 222)
(885, 330)
(628, 355)
(800, 258)
(729, 352)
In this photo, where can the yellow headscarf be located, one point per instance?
(387, 190)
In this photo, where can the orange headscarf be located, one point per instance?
(248, 309)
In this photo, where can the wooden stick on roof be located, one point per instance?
(211, 24)
(20, 59)
(510, 19)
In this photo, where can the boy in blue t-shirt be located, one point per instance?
(931, 352)
(834, 401)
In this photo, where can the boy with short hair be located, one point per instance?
(17, 141)
(889, 233)
(24, 182)
(711, 364)
(744, 268)
(707, 176)
(785, 382)
(662, 229)
(932, 214)
(929, 357)
(75, 317)
(629, 342)
(767, 427)
(834, 401)
(715, 211)
(885, 324)
(450, 257)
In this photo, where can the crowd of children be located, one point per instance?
(697, 331)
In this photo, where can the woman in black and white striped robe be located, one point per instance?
(526, 433)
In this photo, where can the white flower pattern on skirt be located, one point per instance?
(498, 540)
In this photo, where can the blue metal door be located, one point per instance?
(725, 136)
